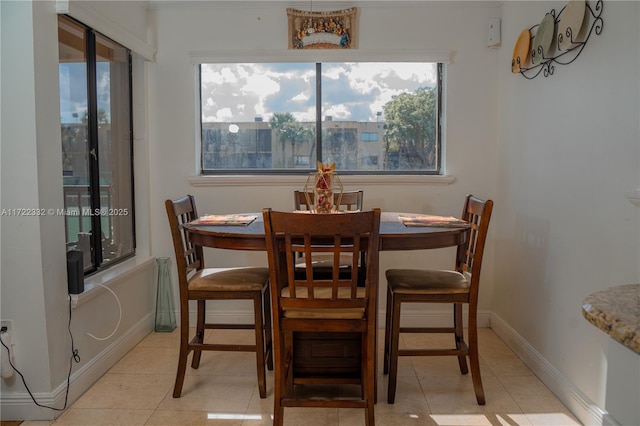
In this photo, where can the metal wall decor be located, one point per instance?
(323, 30)
(557, 39)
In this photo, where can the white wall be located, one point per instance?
(22, 256)
(255, 31)
(569, 150)
(34, 283)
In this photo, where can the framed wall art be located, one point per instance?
(323, 30)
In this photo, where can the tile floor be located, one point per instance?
(223, 391)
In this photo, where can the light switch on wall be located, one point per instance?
(494, 33)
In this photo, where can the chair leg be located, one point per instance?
(366, 348)
(278, 415)
(287, 363)
(363, 366)
(278, 381)
(201, 311)
(459, 336)
(266, 306)
(374, 355)
(369, 416)
(387, 331)
(393, 352)
(369, 376)
(474, 359)
(259, 333)
(182, 360)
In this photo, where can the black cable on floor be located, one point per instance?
(74, 357)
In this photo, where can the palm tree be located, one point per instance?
(289, 130)
(310, 135)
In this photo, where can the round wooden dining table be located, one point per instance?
(394, 235)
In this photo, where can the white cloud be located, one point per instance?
(260, 85)
(223, 114)
(338, 112)
(301, 97)
(245, 91)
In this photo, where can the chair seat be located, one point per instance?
(421, 281)
(324, 293)
(229, 279)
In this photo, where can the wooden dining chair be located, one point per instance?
(347, 201)
(458, 287)
(201, 285)
(331, 306)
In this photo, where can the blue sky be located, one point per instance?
(73, 90)
(351, 91)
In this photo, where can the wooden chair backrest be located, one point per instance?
(337, 234)
(349, 200)
(469, 256)
(188, 256)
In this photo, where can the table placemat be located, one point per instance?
(225, 219)
(435, 221)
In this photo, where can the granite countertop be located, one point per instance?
(616, 311)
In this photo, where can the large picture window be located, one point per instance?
(367, 117)
(95, 119)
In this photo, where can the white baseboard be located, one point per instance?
(20, 406)
(608, 420)
(573, 398)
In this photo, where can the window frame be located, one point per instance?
(93, 147)
(439, 171)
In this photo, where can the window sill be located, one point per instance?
(288, 180)
(110, 276)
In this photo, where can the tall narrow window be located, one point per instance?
(95, 117)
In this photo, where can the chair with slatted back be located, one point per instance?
(201, 285)
(347, 201)
(326, 306)
(457, 287)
